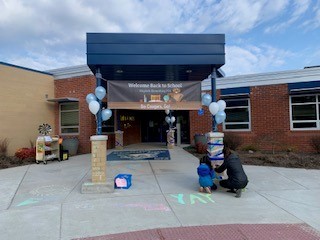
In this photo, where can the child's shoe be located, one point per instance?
(201, 189)
(208, 190)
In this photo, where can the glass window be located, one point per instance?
(108, 126)
(304, 112)
(69, 118)
(238, 114)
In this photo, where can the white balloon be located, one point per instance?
(173, 119)
(222, 105)
(94, 107)
(167, 111)
(213, 108)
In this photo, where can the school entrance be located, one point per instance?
(148, 74)
(154, 127)
(150, 126)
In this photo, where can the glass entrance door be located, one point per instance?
(154, 127)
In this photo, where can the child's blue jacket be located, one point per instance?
(205, 175)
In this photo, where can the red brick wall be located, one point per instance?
(270, 118)
(270, 122)
(79, 87)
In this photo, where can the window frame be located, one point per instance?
(238, 107)
(317, 105)
(74, 126)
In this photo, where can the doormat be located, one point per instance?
(139, 155)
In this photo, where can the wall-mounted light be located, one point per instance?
(119, 71)
(189, 71)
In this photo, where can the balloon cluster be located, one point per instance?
(94, 105)
(215, 108)
(168, 119)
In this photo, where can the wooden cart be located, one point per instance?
(47, 148)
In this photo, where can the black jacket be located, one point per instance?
(235, 171)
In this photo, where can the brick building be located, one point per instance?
(279, 110)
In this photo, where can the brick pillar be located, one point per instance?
(98, 158)
(98, 182)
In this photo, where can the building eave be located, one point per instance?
(69, 72)
(272, 78)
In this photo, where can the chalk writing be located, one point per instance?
(193, 198)
(28, 202)
(49, 190)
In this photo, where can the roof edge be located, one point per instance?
(25, 68)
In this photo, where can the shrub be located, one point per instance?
(234, 141)
(315, 143)
(201, 147)
(24, 153)
(4, 147)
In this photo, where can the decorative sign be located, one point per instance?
(148, 95)
(124, 118)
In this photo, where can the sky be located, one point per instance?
(261, 35)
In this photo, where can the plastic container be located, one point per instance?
(122, 181)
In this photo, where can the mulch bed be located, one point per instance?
(8, 162)
(278, 159)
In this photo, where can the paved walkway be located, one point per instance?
(44, 202)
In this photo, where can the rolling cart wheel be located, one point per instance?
(37, 162)
(44, 162)
(59, 160)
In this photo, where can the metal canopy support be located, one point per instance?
(99, 116)
(213, 94)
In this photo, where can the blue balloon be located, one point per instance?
(206, 99)
(100, 92)
(106, 114)
(220, 117)
(168, 119)
(90, 97)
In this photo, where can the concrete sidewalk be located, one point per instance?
(44, 201)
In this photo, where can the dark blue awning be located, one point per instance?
(235, 92)
(155, 57)
(304, 88)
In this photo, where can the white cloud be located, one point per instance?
(46, 34)
(300, 7)
(314, 21)
(253, 59)
(43, 61)
(242, 16)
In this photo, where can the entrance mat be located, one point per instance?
(139, 155)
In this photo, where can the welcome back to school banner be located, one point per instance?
(148, 95)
